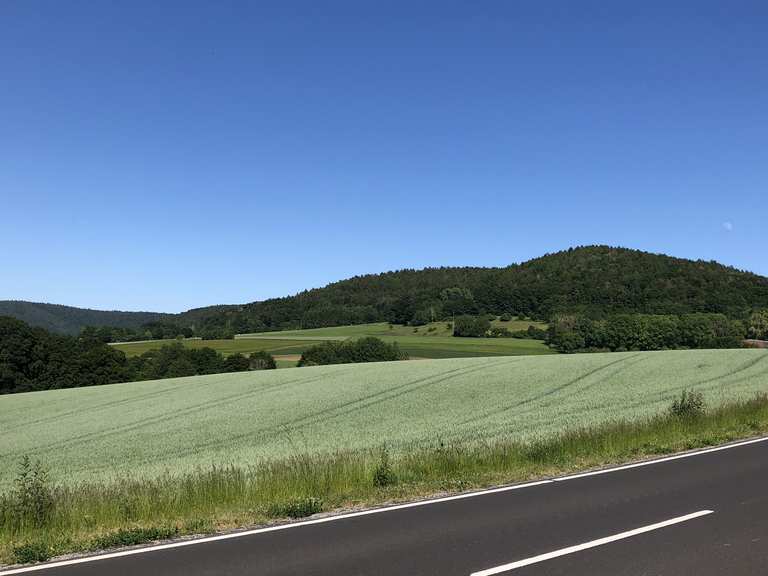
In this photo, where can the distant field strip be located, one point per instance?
(421, 344)
(274, 345)
(147, 428)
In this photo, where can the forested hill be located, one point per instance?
(598, 280)
(69, 319)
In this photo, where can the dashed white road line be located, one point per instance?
(588, 545)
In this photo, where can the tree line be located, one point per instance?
(621, 332)
(34, 359)
(369, 349)
(156, 330)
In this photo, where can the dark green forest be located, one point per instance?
(622, 332)
(596, 281)
(34, 359)
(71, 320)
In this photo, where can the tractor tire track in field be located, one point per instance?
(115, 403)
(549, 392)
(87, 436)
(452, 434)
(743, 368)
(723, 379)
(135, 424)
(277, 429)
(312, 419)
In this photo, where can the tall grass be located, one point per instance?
(95, 515)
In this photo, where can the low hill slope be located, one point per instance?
(70, 320)
(146, 428)
(595, 279)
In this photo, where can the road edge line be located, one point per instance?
(392, 508)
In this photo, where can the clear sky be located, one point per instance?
(167, 155)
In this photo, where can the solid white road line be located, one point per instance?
(660, 460)
(374, 510)
(587, 545)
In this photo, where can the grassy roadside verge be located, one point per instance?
(38, 520)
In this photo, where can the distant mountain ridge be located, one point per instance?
(596, 280)
(70, 319)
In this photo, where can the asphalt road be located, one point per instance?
(701, 515)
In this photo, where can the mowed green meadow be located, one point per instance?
(275, 346)
(431, 341)
(143, 429)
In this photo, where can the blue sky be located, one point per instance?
(167, 155)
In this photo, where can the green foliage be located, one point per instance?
(70, 320)
(133, 536)
(237, 363)
(421, 318)
(471, 326)
(296, 508)
(31, 500)
(383, 474)
(157, 330)
(575, 333)
(506, 317)
(498, 332)
(262, 360)
(175, 360)
(369, 349)
(33, 359)
(535, 333)
(758, 325)
(595, 280)
(31, 552)
(689, 405)
(457, 300)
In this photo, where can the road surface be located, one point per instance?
(701, 514)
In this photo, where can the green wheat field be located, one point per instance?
(146, 428)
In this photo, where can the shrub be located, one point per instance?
(471, 326)
(262, 360)
(536, 333)
(420, 318)
(368, 349)
(236, 363)
(499, 332)
(133, 536)
(506, 317)
(32, 499)
(690, 404)
(383, 475)
(568, 342)
(31, 552)
(758, 325)
(297, 508)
